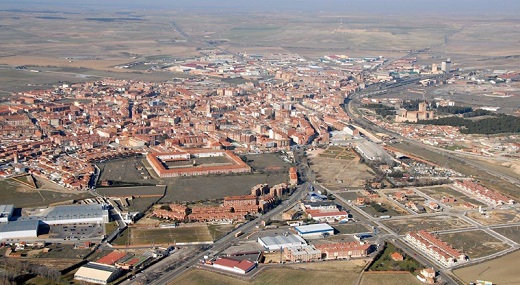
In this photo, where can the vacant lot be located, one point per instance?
(171, 235)
(352, 228)
(437, 223)
(272, 170)
(22, 196)
(286, 276)
(511, 232)
(378, 209)
(218, 231)
(199, 188)
(500, 271)
(475, 244)
(271, 162)
(129, 171)
(440, 192)
(130, 191)
(338, 174)
(337, 152)
(495, 217)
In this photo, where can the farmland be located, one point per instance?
(500, 271)
(390, 279)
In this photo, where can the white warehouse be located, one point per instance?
(19, 229)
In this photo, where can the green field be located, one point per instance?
(218, 231)
(171, 235)
(386, 263)
(352, 228)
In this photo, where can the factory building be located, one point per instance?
(314, 231)
(19, 229)
(97, 273)
(280, 242)
(70, 214)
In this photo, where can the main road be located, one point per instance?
(230, 239)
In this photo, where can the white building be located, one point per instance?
(315, 231)
(97, 273)
(71, 214)
(280, 242)
(19, 229)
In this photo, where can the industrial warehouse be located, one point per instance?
(27, 227)
(191, 163)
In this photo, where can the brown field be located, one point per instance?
(22, 196)
(337, 174)
(475, 244)
(494, 217)
(500, 271)
(389, 279)
(511, 232)
(437, 223)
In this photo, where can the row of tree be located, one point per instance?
(492, 125)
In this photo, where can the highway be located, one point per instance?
(446, 153)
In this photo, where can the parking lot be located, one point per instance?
(76, 231)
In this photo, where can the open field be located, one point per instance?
(195, 188)
(486, 179)
(475, 244)
(351, 228)
(335, 265)
(198, 188)
(439, 192)
(389, 279)
(501, 271)
(337, 152)
(135, 191)
(126, 171)
(494, 217)
(21, 196)
(437, 223)
(171, 235)
(511, 232)
(340, 173)
(284, 275)
(218, 231)
(268, 162)
(383, 207)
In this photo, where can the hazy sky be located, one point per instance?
(509, 7)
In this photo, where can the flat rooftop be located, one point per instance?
(281, 240)
(315, 228)
(22, 225)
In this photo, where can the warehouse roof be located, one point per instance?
(96, 271)
(22, 225)
(282, 240)
(74, 212)
(316, 228)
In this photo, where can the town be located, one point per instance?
(248, 166)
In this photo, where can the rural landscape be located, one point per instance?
(274, 142)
